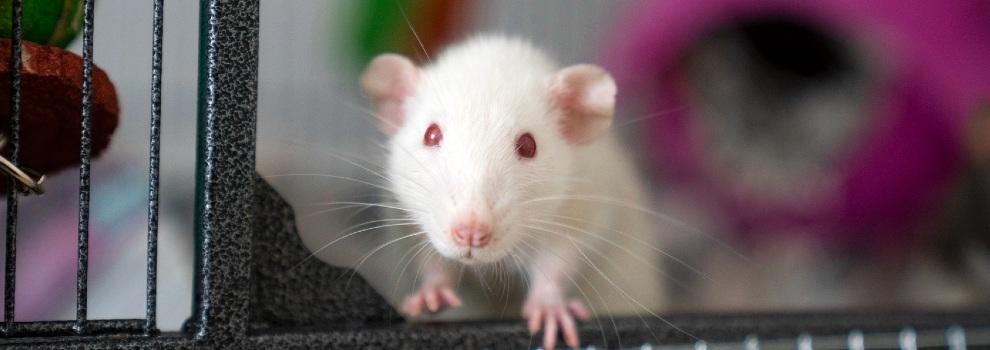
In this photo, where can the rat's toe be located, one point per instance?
(556, 320)
(550, 331)
(450, 297)
(413, 305)
(569, 328)
(577, 308)
(534, 317)
(432, 300)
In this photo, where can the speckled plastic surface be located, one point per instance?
(289, 290)
(726, 330)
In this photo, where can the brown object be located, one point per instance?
(51, 107)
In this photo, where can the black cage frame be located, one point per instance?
(246, 240)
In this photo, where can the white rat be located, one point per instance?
(497, 154)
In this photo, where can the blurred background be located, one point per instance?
(841, 147)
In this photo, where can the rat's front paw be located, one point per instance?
(435, 296)
(551, 312)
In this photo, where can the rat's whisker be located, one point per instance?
(368, 112)
(501, 277)
(376, 250)
(519, 265)
(592, 285)
(427, 260)
(432, 84)
(330, 176)
(387, 206)
(379, 174)
(421, 245)
(425, 169)
(325, 246)
(512, 259)
(653, 213)
(594, 311)
(315, 252)
(335, 151)
(324, 211)
(628, 299)
(608, 258)
(378, 221)
(640, 241)
(624, 293)
(343, 207)
(615, 266)
(485, 289)
(349, 217)
(624, 249)
(649, 116)
(368, 160)
(506, 283)
(601, 298)
(359, 166)
(402, 179)
(422, 47)
(383, 198)
(420, 187)
(538, 180)
(460, 275)
(340, 85)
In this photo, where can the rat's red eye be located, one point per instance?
(433, 136)
(526, 146)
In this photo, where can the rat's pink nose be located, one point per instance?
(472, 234)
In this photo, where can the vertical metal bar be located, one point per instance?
(225, 167)
(84, 157)
(10, 271)
(856, 340)
(907, 339)
(151, 296)
(956, 337)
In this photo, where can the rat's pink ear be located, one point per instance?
(388, 81)
(585, 96)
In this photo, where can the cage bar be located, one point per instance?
(225, 166)
(151, 296)
(907, 339)
(955, 337)
(10, 256)
(85, 144)
(68, 328)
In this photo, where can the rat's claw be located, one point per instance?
(433, 296)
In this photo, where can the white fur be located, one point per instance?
(483, 94)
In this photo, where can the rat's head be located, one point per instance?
(482, 141)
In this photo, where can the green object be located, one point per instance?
(381, 24)
(46, 22)
(369, 28)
